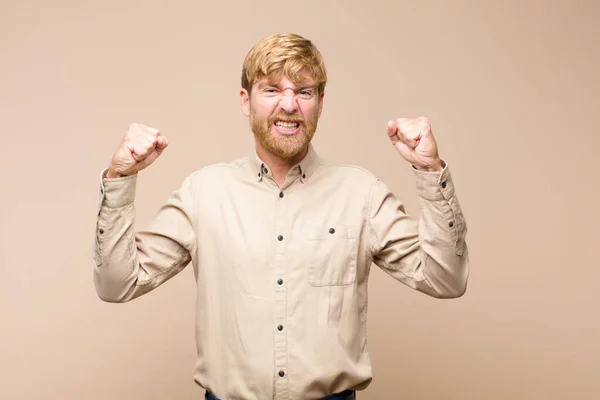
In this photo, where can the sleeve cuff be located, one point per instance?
(435, 185)
(117, 192)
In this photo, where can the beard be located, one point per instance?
(284, 147)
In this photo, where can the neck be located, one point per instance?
(279, 166)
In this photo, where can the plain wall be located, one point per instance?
(512, 92)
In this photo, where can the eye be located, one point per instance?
(306, 94)
(269, 91)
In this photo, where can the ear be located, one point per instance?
(245, 102)
(321, 103)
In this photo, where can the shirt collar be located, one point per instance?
(304, 169)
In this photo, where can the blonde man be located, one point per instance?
(281, 242)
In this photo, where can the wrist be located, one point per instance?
(112, 174)
(436, 166)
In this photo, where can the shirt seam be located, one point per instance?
(192, 189)
(368, 219)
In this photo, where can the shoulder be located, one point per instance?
(221, 170)
(350, 173)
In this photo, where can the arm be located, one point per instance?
(429, 255)
(128, 264)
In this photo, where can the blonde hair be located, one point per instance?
(290, 54)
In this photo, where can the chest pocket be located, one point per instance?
(331, 254)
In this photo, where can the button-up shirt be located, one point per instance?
(282, 272)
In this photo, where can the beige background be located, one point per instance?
(512, 92)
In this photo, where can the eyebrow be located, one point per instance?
(262, 85)
(307, 87)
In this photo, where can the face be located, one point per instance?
(283, 115)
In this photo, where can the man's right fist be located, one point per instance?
(140, 146)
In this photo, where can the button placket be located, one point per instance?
(280, 337)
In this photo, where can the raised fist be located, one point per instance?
(414, 140)
(140, 146)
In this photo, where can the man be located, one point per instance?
(282, 241)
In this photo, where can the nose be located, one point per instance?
(288, 102)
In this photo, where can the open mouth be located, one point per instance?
(287, 127)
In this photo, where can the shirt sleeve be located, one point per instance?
(429, 254)
(130, 263)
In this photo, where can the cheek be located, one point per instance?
(263, 107)
(310, 110)
(262, 114)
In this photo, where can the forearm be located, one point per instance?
(442, 231)
(115, 254)
(443, 271)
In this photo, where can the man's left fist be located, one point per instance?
(414, 140)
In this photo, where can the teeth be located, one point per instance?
(286, 125)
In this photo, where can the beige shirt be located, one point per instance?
(282, 273)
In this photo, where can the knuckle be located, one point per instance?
(129, 138)
(150, 133)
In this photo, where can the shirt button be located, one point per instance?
(451, 224)
(266, 171)
(281, 374)
(259, 174)
(331, 230)
(101, 231)
(303, 176)
(280, 194)
(280, 238)
(444, 184)
(280, 282)
(280, 328)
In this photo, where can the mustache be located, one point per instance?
(295, 117)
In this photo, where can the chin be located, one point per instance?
(283, 146)
(286, 151)
(285, 154)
